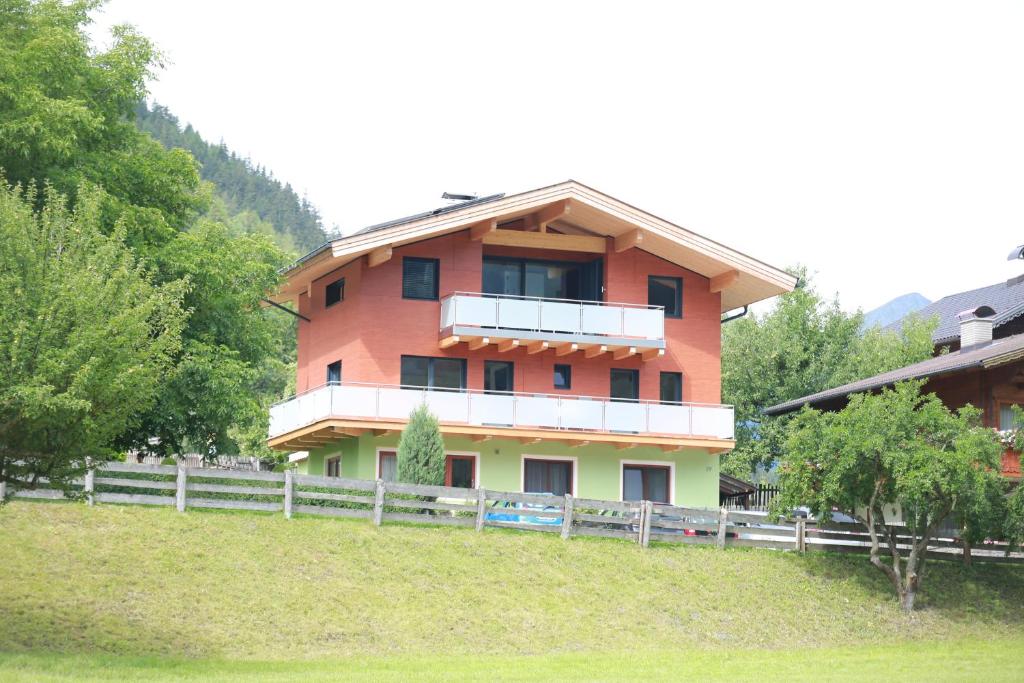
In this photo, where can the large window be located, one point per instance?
(544, 279)
(499, 376)
(547, 476)
(625, 385)
(334, 372)
(667, 292)
(387, 465)
(671, 387)
(334, 292)
(420, 278)
(434, 373)
(460, 471)
(646, 482)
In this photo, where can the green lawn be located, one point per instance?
(129, 592)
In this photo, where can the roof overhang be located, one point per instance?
(741, 279)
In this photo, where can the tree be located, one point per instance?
(894, 449)
(421, 449)
(85, 337)
(801, 346)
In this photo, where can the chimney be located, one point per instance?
(976, 326)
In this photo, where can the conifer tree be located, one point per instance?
(421, 449)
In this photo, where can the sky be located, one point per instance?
(881, 144)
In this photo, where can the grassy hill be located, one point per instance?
(242, 587)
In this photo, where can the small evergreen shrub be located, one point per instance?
(421, 450)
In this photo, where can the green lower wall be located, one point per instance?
(598, 467)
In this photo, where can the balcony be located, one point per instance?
(331, 412)
(567, 326)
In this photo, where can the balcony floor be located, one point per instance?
(331, 430)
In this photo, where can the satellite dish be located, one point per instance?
(1017, 253)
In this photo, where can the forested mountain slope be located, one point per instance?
(248, 196)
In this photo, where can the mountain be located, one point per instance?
(248, 197)
(894, 310)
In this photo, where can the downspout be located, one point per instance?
(735, 316)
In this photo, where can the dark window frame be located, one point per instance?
(643, 479)
(521, 262)
(550, 461)
(435, 295)
(328, 461)
(340, 286)
(611, 375)
(448, 458)
(567, 375)
(430, 373)
(661, 388)
(679, 293)
(329, 367)
(512, 369)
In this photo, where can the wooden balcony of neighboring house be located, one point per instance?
(336, 411)
(591, 328)
(1011, 464)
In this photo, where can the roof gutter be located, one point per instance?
(736, 316)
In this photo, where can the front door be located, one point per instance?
(460, 471)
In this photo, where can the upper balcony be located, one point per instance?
(331, 412)
(565, 325)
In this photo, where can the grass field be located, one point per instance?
(128, 592)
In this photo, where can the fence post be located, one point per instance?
(481, 505)
(801, 531)
(723, 521)
(378, 503)
(567, 512)
(288, 485)
(90, 482)
(3, 491)
(647, 508)
(179, 498)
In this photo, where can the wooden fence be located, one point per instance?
(641, 521)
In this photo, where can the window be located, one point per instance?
(334, 293)
(434, 373)
(563, 376)
(625, 385)
(671, 387)
(419, 278)
(460, 471)
(334, 372)
(1007, 419)
(498, 376)
(332, 466)
(547, 476)
(646, 482)
(387, 465)
(546, 279)
(667, 292)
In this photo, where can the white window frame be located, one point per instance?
(656, 463)
(376, 459)
(476, 463)
(523, 457)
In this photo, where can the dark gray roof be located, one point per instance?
(991, 353)
(392, 223)
(427, 214)
(1006, 298)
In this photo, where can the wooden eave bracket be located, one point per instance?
(552, 213)
(477, 232)
(723, 281)
(378, 256)
(628, 240)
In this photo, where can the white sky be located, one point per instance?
(881, 144)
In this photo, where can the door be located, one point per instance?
(499, 376)
(460, 471)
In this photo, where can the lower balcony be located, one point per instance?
(333, 412)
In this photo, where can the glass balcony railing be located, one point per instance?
(502, 410)
(462, 312)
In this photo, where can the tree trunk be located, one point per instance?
(907, 599)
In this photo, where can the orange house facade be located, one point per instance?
(567, 343)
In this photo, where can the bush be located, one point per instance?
(421, 450)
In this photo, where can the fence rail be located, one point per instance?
(640, 521)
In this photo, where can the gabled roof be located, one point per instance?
(1006, 298)
(588, 212)
(986, 355)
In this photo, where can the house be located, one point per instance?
(984, 371)
(566, 341)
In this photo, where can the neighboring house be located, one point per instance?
(1005, 298)
(566, 341)
(985, 372)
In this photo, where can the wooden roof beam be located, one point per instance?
(507, 345)
(449, 341)
(628, 240)
(552, 213)
(566, 349)
(624, 352)
(379, 256)
(477, 232)
(479, 343)
(651, 354)
(725, 280)
(546, 240)
(595, 351)
(536, 347)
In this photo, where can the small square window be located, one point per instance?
(334, 372)
(563, 376)
(420, 278)
(666, 292)
(334, 293)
